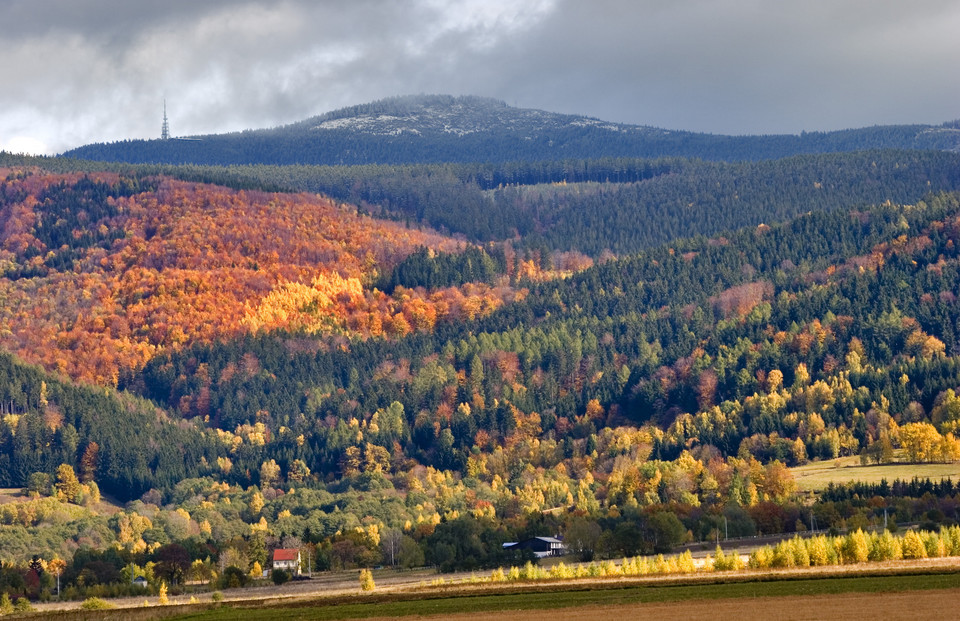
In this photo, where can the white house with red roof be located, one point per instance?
(287, 560)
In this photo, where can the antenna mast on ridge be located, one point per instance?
(165, 132)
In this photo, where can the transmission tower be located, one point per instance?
(165, 132)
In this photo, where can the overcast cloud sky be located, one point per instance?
(80, 71)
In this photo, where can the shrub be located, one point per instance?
(233, 578)
(530, 572)
(954, 535)
(913, 546)
(608, 569)
(366, 580)
(561, 571)
(95, 603)
(685, 564)
(761, 558)
(630, 566)
(885, 547)
(708, 564)
(782, 555)
(818, 551)
(23, 605)
(838, 546)
(856, 548)
(216, 596)
(801, 557)
(280, 576)
(724, 562)
(936, 546)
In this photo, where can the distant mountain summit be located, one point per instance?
(442, 128)
(459, 116)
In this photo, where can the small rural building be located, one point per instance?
(140, 581)
(287, 560)
(541, 547)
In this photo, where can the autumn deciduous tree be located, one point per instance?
(89, 462)
(67, 483)
(269, 473)
(366, 581)
(56, 566)
(256, 504)
(298, 471)
(173, 562)
(921, 441)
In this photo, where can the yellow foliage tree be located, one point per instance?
(67, 483)
(256, 504)
(366, 581)
(921, 441)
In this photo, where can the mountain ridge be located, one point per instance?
(444, 128)
(466, 111)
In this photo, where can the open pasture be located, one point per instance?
(816, 475)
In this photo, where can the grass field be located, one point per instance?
(106, 506)
(818, 474)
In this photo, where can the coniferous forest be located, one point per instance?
(411, 363)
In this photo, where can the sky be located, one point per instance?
(82, 71)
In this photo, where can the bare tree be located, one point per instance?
(390, 544)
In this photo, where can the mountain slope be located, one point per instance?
(421, 129)
(790, 341)
(785, 342)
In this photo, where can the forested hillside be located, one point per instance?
(100, 273)
(682, 377)
(277, 321)
(788, 342)
(292, 371)
(432, 129)
(127, 445)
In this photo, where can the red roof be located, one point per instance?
(285, 555)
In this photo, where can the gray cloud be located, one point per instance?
(78, 71)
